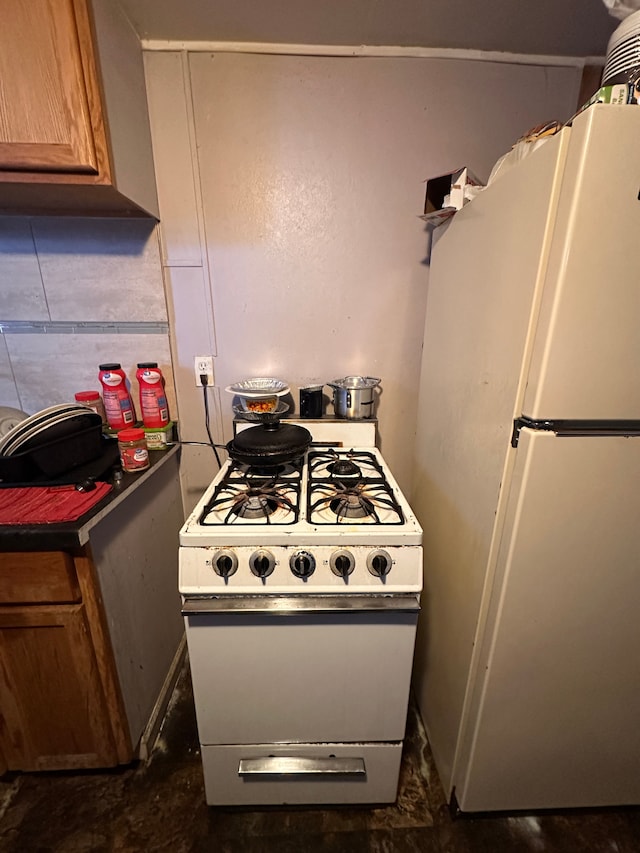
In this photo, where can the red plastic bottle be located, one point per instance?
(153, 400)
(118, 404)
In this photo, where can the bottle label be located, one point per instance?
(111, 379)
(151, 376)
(134, 458)
(153, 403)
(117, 404)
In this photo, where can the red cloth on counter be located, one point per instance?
(47, 504)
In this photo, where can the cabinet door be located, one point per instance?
(53, 713)
(45, 120)
(38, 577)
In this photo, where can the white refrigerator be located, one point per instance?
(527, 480)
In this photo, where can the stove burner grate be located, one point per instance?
(349, 464)
(260, 472)
(332, 502)
(251, 499)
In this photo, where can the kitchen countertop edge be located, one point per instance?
(70, 535)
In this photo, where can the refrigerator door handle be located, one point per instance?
(568, 428)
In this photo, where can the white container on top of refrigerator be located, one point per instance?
(528, 481)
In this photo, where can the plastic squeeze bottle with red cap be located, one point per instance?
(153, 400)
(118, 404)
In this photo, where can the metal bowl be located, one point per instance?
(259, 387)
(262, 417)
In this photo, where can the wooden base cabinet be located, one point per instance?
(60, 706)
(74, 127)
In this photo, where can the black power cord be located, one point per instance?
(204, 380)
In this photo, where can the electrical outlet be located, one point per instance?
(203, 364)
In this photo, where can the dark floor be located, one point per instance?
(159, 806)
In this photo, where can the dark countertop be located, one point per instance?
(73, 535)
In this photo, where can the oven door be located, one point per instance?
(301, 669)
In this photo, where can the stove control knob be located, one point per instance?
(262, 563)
(379, 563)
(302, 564)
(342, 563)
(225, 563)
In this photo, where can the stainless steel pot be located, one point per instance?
(354, 396)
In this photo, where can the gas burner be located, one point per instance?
(364, 502)
(352, 505)
(254, 505)
(245, 473)
(350, 464)
(344, 468)
(264, 473)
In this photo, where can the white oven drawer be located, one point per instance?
(301, 773)
(306, 678)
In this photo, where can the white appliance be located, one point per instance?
(300, 590)
(528, 480)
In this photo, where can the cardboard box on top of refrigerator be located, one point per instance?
(448, 193)
(617, 93)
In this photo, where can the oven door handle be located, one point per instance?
(292, 765)
(292, 605)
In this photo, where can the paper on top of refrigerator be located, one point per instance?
(448, 193)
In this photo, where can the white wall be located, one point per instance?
(301, 211)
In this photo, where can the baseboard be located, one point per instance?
(151, 730)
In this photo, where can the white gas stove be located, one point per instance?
(300, 588)
(335, 523)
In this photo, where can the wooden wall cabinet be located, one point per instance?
(60, 704)
(74, 126)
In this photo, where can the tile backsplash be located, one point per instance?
(52, 367)
(8, 389)
(74, 293)
(22, 295)
(108, 270)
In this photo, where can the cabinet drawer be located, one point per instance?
(38, 577)
(370, 774)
